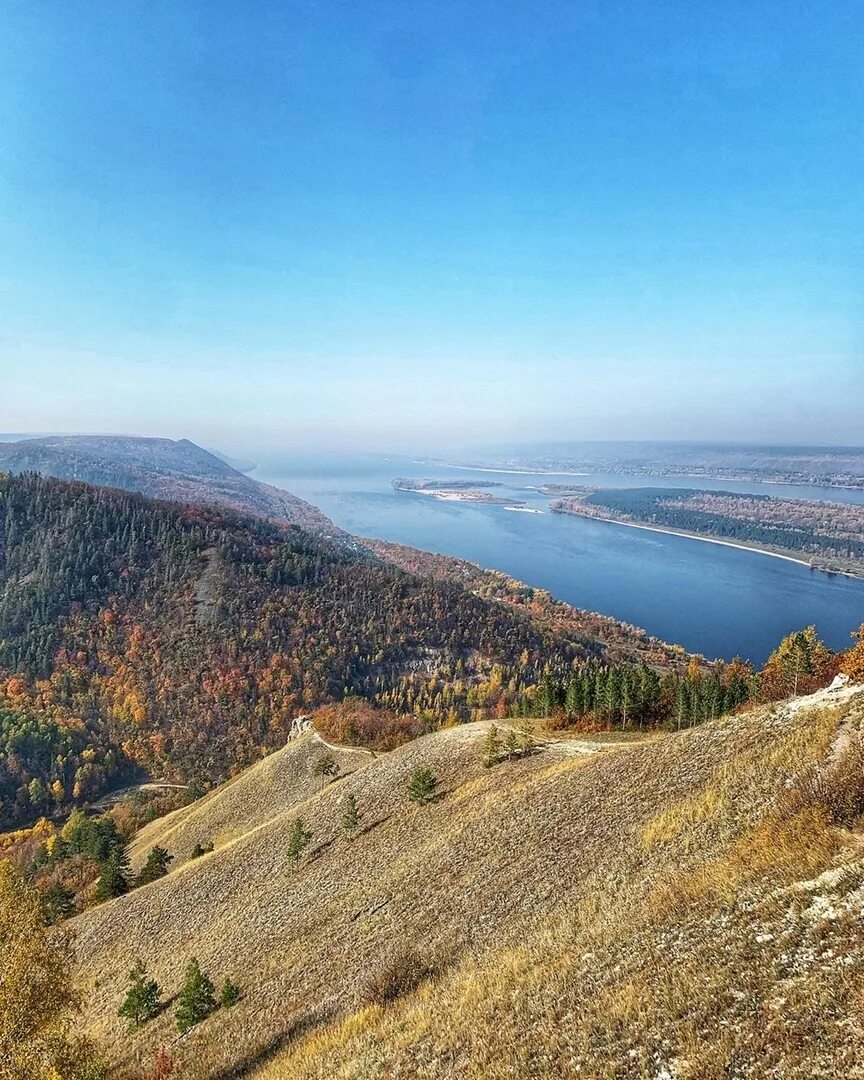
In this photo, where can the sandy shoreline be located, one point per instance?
(712, 540)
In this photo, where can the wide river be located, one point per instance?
(720, 601)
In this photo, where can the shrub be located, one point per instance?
(837, 788)
(398, 976)
(351, 815)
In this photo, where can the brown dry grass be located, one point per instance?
(613, 915)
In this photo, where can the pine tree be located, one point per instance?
(114, 879)
(527, 742)
(511, 744)
(422, 785)
(197, 998)
(491, 746)
(326, 767)
(229, 994)
(298, 841)
(156, 865)
(351, 815)
(142, 1001)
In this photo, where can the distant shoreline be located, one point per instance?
(661, 476)
(712, 540)
(517, 472)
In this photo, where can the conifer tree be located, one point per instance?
(229, 994)
(422, 785)
(142, 1001)
(511, 744)
(58, 903)
(156, 865)
(527, 741)
(197, 998)
(298, 841)
(326, 767)
(351, 815)
(491, 746)
(114, 879)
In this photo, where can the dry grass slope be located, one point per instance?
(688, 906)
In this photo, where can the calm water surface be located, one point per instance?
(716, 600)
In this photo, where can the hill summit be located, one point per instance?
(179, 470)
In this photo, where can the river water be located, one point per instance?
(719, 601)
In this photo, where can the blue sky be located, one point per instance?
(399, 224)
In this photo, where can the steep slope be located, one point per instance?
(162, 469)
(634, 889)
(253, 798)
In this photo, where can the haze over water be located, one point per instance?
(720, 601)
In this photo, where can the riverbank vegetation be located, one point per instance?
(829, 536)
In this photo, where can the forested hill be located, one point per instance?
(182, 641)
(162, 469)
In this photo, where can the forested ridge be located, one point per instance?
(138, 635)
(162, 469)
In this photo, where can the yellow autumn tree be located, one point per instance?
(37, 1004)
(852, 663)
(800, 664)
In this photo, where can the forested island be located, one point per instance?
(826, 536)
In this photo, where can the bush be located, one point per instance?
(398, 976)
(837, 787)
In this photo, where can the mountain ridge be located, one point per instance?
(176, 470)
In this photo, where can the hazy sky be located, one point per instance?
(392, 223)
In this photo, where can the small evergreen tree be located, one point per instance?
(156, 865)
(200, 849)
(491, 746)
(114, 879)
(511, 744)
(527, 743)
(142, 1001)
(298, 841)
(229, 994)
(197, 998)
(422, 785)
(326, 767)
(351, 815)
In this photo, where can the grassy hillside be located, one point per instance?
(163, 469)
(686, 906)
